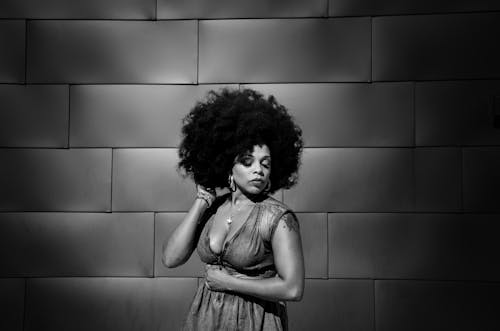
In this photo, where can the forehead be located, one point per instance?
(258, 151)
(261, 151)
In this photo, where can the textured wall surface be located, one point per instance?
(399, 192)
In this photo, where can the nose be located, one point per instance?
(258, 168)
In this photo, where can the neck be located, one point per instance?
(239, 198)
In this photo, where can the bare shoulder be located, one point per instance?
(276, 215)
(289, 222)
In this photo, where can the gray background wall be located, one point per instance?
(400, 185)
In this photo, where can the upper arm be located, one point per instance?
(287, 251)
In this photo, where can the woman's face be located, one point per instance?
(251, 171)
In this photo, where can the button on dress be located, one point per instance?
(247, 254)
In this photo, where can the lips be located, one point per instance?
(257, 180)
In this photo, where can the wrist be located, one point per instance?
(229, 283)
(205, 195)
(202, 201)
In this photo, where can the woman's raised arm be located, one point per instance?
(179, 247)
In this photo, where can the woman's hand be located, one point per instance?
(286, 285)
(206, 194)
(217, 278)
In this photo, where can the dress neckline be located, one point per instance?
(228, 239)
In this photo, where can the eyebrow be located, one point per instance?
(265, 157)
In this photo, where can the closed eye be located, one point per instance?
(246, 161)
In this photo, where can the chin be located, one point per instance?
(254, 191)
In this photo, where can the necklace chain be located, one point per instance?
(229, 220)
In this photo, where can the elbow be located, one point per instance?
(296, 296)
(169, 262)
(295, 293)
(168, 259)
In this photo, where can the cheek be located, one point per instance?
(239, 173)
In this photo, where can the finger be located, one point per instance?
(204, 189)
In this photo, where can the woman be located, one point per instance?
(249, 241)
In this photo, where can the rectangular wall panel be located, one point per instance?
(175, 9)
(314, 234)
(438, 179)
(354, 179)
(34, 115)
(90, 9)
(55, 180)
(12, 304)
(108, 304)
(71, 244)
(12, 56)
(334, 304)
(401, 7)
(413, 305)
(414, 246)
(112, 51)
(436, 47)
(333, 115)
(165, 224)
(147, 180)
(131, 115)
(456, 113)
(292, 50)
(481, 179)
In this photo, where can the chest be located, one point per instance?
(244, 247)
(226, 225)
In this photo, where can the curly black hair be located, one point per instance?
(230, 123)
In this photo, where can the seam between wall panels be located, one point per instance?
(154, 245)
(493, 213)
(461, 164)
(371, 49)
(26, 52)
(433, 13)
(374, 308)
(69, 117)
(197, 51)
(274, 82)
(420, 280)
(414, 154)
(310, 147)
(111, 181)
(327, 247)
(90, 18)
(414, 113)
(25, 303)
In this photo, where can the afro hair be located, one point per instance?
(230, 123)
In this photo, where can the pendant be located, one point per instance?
(229, 221)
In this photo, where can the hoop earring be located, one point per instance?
(232, 185)
(267, 189)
